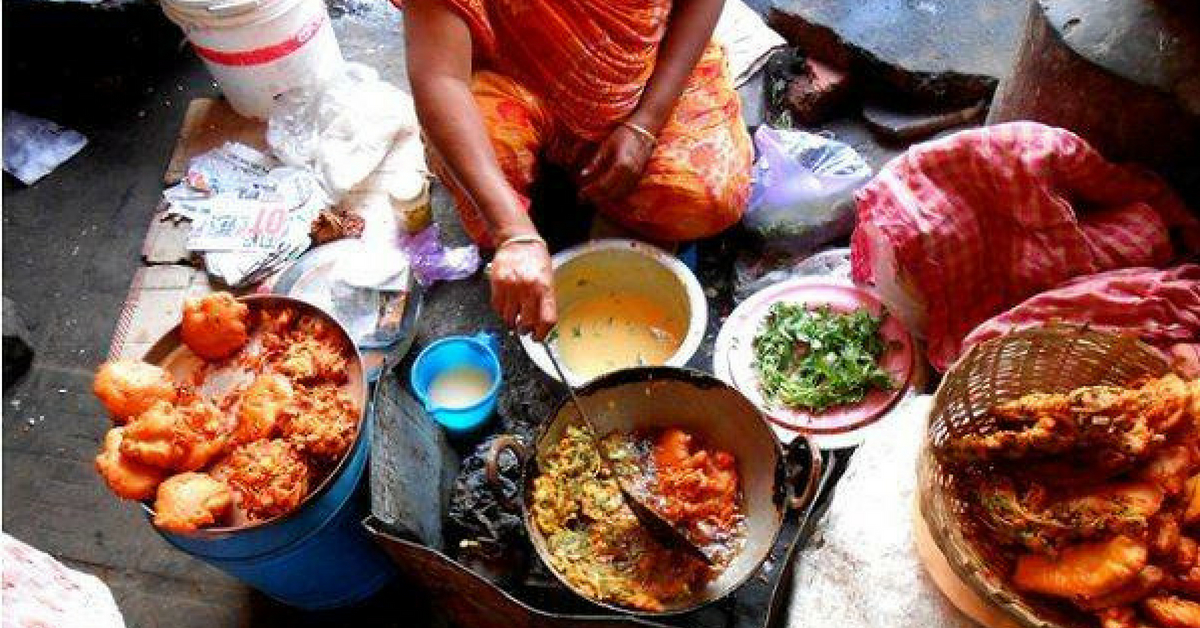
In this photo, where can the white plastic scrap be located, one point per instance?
(40, 591)
(34, 147)
(342, 128)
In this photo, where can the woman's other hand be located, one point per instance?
(522, 280)
(616, 167)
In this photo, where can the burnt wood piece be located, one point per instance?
(906, 126)
(1098, 69)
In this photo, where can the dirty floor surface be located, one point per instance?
(71, 244)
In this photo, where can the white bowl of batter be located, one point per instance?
(621, 303)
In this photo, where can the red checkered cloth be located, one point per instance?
(1162, 307)
(983, 219)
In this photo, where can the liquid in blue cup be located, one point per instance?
(478, 356)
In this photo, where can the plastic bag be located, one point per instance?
(341, 129)
(802, 187)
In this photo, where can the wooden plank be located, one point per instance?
(209, 123)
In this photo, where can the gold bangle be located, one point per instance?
(528, 238)
(640, 130)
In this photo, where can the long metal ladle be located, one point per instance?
(662, 530)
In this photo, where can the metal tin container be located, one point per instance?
(317, 556)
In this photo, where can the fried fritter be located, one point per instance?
(215, 326)
(1147, 582)
(1169, 468)
(189, 501)
(1173, 612)
(129, 479)
(128, 388)
(179, 437)
(1088, 570)
(310, 361)
(322, 422)
(1125, 424)
(262, 406)
(268, 477)
(1043, 523)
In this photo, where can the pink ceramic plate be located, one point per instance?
(737, 347)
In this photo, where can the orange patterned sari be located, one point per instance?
(554, 77)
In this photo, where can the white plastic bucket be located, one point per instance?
(258, 49)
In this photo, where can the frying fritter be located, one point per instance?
(179, 437)
(262, 406)
(189, 501)
(128, 388)
(1169, 468)
(322, 422)
(1088, 570)
(215, 326)
(1173, 612)
(268, 477)
(129, 479)
(311, 361)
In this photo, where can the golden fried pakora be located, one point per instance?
(128, 388)
(1087, 570)
(310, 361)
(322, 422)
(183, 437)
(262, 406)
(268, 477)
(1043, 522)
(1125, 423)
(189, 501)
(128, 479)
(1173, 612)
(215, 326)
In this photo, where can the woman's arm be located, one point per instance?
(617, 166)
(439, 69)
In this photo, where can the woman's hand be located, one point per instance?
(616, 167)
(523, 287)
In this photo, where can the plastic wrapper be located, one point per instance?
(40, 591)
(432, 261)
(34, 147)
(862, 569)
(754, 272)
(802, 188)
(342, 128)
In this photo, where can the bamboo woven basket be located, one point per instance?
(1054, 358)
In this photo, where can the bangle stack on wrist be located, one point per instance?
(641, 131)
(529, 238)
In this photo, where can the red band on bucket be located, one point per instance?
(266, 54)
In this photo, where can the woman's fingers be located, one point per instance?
(547, 315)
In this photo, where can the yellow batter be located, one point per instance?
(610, 331)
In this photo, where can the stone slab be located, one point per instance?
(935, 51)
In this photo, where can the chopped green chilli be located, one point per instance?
(815, 359)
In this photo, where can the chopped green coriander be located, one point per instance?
(815, 359)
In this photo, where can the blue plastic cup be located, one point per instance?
(452, 352)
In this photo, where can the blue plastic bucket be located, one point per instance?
(479, 351)
(316, 557)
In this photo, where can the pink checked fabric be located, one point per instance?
(983, 219)
(1162, 307)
